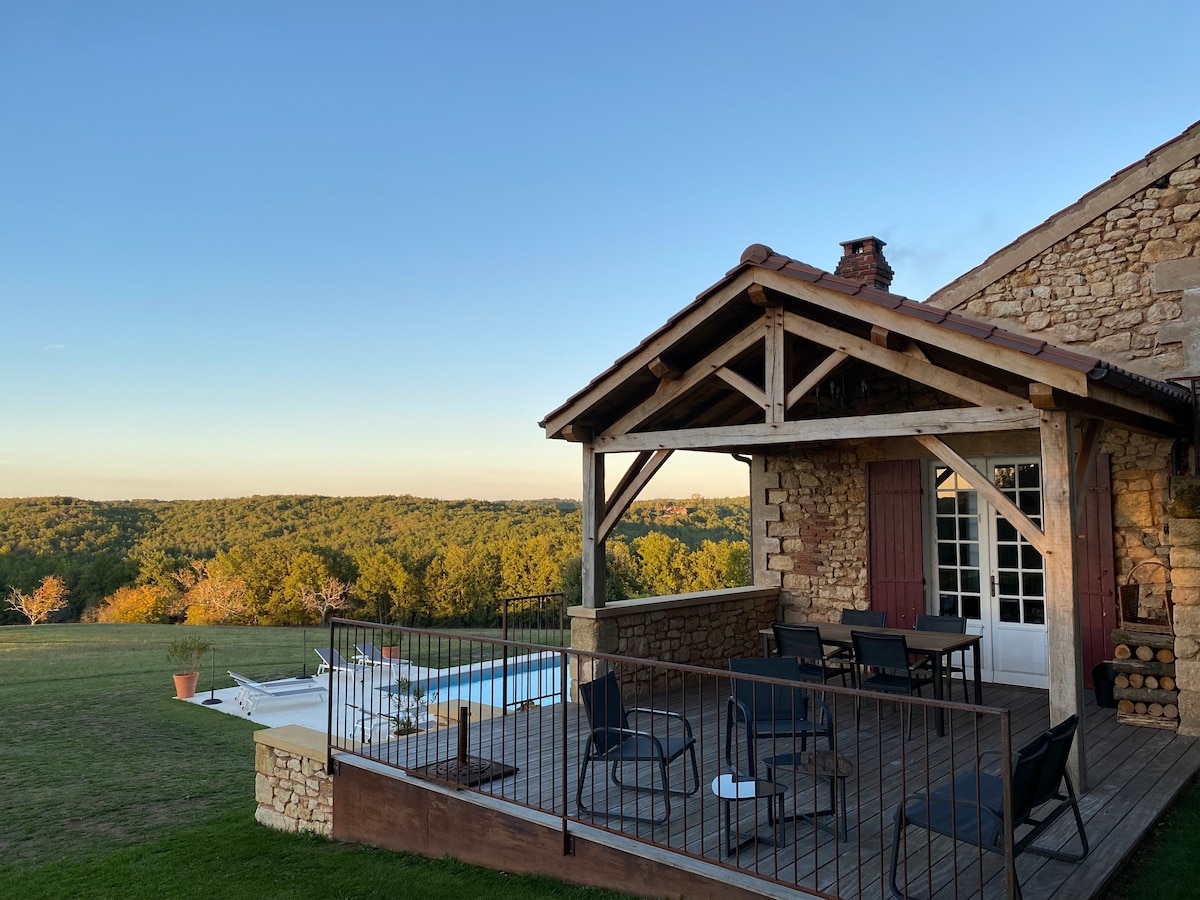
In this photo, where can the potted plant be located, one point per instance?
(411, 707)
(185, 655)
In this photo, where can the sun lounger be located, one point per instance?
(251, 692)
(331, 660)
(369, 654)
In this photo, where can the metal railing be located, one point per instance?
(823, 818)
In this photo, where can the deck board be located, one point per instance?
(1134, 774)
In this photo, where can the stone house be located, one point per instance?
(1006, 450)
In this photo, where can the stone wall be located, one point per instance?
(1123, 287)
(703, 629)
(1141, 481)
(1185, 595)
(817, 530)
(293, 790)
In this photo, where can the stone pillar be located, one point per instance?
(293, 790)
(1184, 526)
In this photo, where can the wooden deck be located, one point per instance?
(1133, 774)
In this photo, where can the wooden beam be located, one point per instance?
(1003, 358)
(986, 489)
(743, 386)
(706, 367)
(644, 467)
(773, 379)
(879, 336)
(578, 433)
(942, 421)
(594, 571)
(816, 376)
(758, 296)
(902, 364)
(662, 370)
(1063, 636)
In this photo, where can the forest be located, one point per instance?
(295, 560)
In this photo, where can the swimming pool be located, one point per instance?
(530, 679)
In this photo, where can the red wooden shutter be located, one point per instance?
(1097, 569)
(895, 561)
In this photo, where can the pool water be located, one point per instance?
(530, 679)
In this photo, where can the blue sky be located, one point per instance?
(363, 248)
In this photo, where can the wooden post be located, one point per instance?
(593, 574)
(1063, 634)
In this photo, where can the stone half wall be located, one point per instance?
(1125, 287)
(703, 629)
(293, 790)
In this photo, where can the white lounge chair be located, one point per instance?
(332, 660)
(251, 693)
(369, 654)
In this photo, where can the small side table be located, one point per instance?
(823, 765)
(730, 790)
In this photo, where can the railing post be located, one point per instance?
(1010, 856)
(504, 658)
(568, 844)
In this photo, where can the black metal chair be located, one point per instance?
(869, 618)
(971, 808)
(885, 666)
(772, 711)
(804, 643)
(947, 625)
(612, 740)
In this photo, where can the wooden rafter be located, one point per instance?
(964, 345)
(986, 489)
(901, 363)
(669, 391)
(743, 386)
(822, 371)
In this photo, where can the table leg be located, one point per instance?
(939, 714)
(978, 674)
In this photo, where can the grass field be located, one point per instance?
(110, 788)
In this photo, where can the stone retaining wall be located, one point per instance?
(291, 785)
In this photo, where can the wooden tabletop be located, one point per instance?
(931, 641)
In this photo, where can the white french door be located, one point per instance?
(981, 568)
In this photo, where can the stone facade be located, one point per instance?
(817, 530)
(1117, 286)
(292, 787)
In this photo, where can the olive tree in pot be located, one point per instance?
(185, 655)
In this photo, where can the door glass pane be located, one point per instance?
(1020, 578)
(957, 544)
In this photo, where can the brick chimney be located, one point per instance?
(862, 260)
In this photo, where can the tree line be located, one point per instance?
(295, 560)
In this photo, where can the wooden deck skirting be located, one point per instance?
(517, 824)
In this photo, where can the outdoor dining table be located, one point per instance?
(937, 645)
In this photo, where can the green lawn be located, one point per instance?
(110, 788)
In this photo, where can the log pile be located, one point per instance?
(1144, 688)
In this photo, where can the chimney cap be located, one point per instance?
(858, 245)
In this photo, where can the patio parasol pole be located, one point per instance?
(304, 638)
(212, 699)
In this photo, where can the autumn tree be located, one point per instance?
(329, 596)
(138, 604)
(49, 597)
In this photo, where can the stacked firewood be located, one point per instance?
(1144, 688)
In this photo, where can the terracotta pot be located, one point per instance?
(185, 685)
(390, 652)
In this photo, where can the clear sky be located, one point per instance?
(253, 247)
